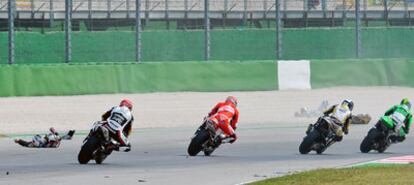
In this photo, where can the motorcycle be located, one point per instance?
(319, 136)
(97, 145)
(207, 138)
(382, 135)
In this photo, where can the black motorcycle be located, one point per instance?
(97, 145)
(319, 136)
(207, 139)
(381, 136)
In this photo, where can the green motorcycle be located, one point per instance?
(386, 131)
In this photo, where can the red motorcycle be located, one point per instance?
(207, 138)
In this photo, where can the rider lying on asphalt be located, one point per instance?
(50, 140)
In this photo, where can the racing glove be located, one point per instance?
(234, 127)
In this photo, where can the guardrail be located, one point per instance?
(220, 9)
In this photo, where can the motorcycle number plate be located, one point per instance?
(118, 118)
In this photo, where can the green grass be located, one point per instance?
(368, 175)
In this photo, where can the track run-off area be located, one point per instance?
(269, 137)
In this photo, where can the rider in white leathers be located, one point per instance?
(118, 120)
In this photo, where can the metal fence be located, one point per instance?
(136, 16)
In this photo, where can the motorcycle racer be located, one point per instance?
(225, 116)
(400, 115)
(118, 120)
(342, 115)
(50, 140)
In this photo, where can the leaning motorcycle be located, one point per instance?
(207, 138)
(96, 145)
(382, 135)
(319, 136)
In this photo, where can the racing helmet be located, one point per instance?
(349, 103)
(406, 102)
(232, 99)
(127, 103)
(52, 130)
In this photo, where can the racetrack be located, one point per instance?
(158, 156)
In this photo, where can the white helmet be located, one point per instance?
(232, 99)
(349, 103)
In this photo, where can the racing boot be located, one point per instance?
(69, 135)
(338, 138)
(22, 142)
(393, 139)
(396, 139)
(111, 146)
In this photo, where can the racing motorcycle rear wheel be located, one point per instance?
(86, 152)
(305, 146)
(196, 144)
(369, 140)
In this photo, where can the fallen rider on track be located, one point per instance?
(50, 140)
(308, 112)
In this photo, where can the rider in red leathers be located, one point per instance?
(225, 116)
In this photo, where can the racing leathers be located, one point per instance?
(225, 116)
(341, 115)
(400, 115)
(118, 120)
(49, 140)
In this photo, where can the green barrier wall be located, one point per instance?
(249, 44)
(75, 79)
(331, 73)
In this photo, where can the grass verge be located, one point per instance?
(366, 175)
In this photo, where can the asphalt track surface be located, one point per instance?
(159, 156)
